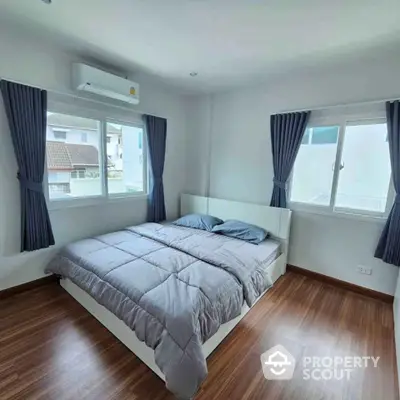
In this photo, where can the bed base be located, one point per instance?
(121, 331)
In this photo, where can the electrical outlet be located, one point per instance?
(364, 270)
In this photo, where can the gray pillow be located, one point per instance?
(199, 221)
(240, 230)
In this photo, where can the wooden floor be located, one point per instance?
(51, 348)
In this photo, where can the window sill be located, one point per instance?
(351, 215)
(57, 205)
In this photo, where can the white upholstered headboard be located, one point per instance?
(274, 220)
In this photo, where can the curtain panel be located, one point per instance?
(156, 129)
(287, 131)
(26, 110)
(388, 249)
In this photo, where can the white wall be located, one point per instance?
(30, 62)
(199, 123)
(240, 160)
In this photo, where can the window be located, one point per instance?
(344, 168)
(314, 166)
(125, 170)
(93, 163)
(321, 135)
(59, 134)
(78, 174)
(71, 160)
(365, 173)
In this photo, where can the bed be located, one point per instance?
(172, 294)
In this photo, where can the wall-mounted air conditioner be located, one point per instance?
(89, 79)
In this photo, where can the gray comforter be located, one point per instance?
(173, 286)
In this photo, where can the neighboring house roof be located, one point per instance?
(71, 122)
(83, 154)
(58, 156)
(67, 156)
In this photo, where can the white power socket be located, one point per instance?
(364, 270)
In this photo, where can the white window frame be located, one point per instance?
(331, 209)
(109, 114)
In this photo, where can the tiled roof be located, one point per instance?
(72, 122)
(58, 156)
(67, 156)
(82, 154)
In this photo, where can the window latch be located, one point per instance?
(341, 166)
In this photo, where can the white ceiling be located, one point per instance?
(227, 42)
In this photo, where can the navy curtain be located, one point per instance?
(26, 110)
(156, 129)
(388, 248)
(287, 131)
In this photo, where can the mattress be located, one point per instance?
(272, 250)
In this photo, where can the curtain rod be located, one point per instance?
(360, 103)
(75, 96)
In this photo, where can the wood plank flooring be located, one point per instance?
(51, 348)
